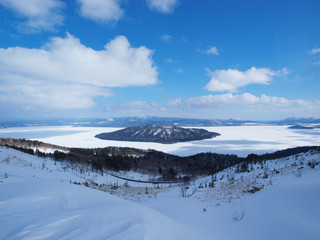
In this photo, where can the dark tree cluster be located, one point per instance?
(25, 150)
(170, 167)
(289, 152)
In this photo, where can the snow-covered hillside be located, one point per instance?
(276, 200)
(38, 202)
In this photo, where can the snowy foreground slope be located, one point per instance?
(37, 201)
(37, 204)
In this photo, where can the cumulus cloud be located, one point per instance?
(164, 6)
(38, 15)
(101, 10)
(66, 74)
(314, 51)
(212, 50)
(231, 79)
(243, 100)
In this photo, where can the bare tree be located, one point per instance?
(185, 190)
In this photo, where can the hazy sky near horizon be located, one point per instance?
(250, 59)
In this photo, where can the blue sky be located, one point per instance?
(251, 59)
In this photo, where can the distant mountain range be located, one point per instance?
(300, 127)
(189, 122)
(304, 127)
(158, 133)
(141, 121)
(296, 121)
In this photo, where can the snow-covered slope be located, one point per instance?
(37, 201)
(285, 207)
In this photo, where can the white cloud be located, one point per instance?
(38, 14)
(164, 6)
(314, 51)
(246, 106)
(67, 74)
(176, 103)
(135, 107)
(212, 50)
(231, 79)
(50, 95)
(243, 100)
(101, 10)
(166, 37)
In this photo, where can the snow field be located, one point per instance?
(286, 206)
(37, 201)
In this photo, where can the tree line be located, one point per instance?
(169, 167)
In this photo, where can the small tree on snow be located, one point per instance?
(185, 190)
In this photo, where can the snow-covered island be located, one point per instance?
(158, 133)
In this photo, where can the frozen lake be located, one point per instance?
(240, 140)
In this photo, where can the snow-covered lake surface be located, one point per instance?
(240, 140)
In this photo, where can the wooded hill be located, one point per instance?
(167, 166)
